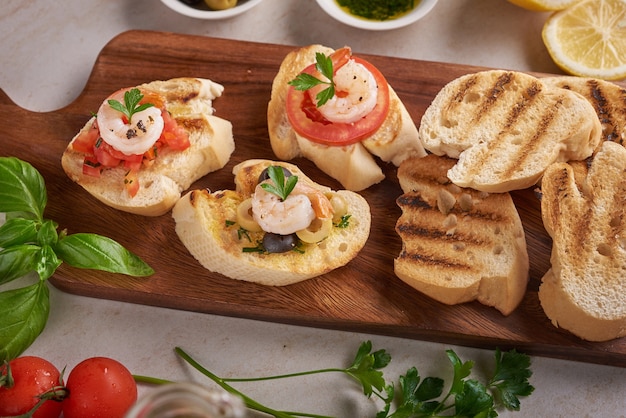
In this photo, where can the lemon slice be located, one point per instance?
(589, 39)
(543, 5)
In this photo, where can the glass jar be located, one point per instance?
(187, 400)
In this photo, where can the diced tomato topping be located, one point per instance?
(174, 135)
(86, 140)
(131, 182)
(91, 166)
(104, 156)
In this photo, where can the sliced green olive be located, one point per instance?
(340, 206)
(221, 4)
(244, 216)
(316, 231)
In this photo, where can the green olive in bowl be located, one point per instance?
(221, 4)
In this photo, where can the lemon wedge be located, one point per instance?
(589, 39)
(543, 5)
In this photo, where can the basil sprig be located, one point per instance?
(30, 243)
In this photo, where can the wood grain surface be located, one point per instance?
(364, 296)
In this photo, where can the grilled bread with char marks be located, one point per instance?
(506, 127)
(459, 244)
(585, 214)
(204, 224)
(608, 99)
(190, 102)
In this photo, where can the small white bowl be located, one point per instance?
(203, 12)
(332, 8)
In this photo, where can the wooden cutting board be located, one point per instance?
(364, 296)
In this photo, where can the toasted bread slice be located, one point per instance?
(459, 244)
(204, 224)
(506, 127)
(583, 292)
(189, 101)
(354, 166)
(607, 98)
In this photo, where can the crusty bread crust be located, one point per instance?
(585, 215)
(189, 100)
(202, 220)
(459, 244)
(354, 166)
(506, 127)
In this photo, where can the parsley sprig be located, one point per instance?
(305, 81)
(417, 397)
(131, 104)
(278, 186)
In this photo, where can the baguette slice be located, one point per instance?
(189, 100)
(607, 98)
(583, 292)
(354, 166)
(506, 127)
(459, 244)
(201, 224)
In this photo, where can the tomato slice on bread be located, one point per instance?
(309, 123)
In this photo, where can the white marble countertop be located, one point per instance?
(48, 49)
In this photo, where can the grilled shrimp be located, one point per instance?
(133, 137)
(356, 92)
(296, 212)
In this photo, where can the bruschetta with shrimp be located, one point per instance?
(147, 144)
(277, 227)
(339, 111)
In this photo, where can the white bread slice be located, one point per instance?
(354, 166)
(506, 127)
(583, 292)
(459, 244)
(189, 100)
(201, 224)
(607, 98)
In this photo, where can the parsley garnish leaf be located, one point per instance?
(131, 101)
(510, 378)
(305, 81)
(366, 368)
(279, 187)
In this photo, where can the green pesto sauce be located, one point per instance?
(378, 9)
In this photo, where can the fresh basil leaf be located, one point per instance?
(18, 260)
(16, 231)
(96, 252)
(23, 315)
(47, 234)
(22, 188)
(47, 262)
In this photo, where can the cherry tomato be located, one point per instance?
(308, 122)
(99, 387)
(32, 376)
